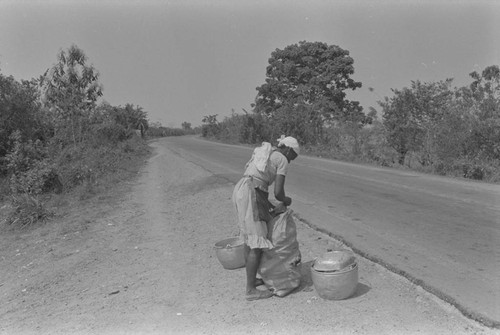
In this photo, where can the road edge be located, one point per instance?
(468, 313)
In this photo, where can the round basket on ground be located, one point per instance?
(230, 253)
(335, 275)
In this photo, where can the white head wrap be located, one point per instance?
(289, 142)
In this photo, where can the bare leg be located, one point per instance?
(252, 265)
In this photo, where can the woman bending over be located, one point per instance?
(251, 198)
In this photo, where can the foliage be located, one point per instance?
(430, 127)
(450, 131)
(55, 138)
(31, 171)
(109, 132)
(41, 178)
(116, 123)
(186, 126)
(18, 112)
(70, 89)
(374, 147)
(305, 90)
(27, 210)
(210, 127)
(411, 112)
(161, 131)
(129, 117)
(483, 100)
(246, 128)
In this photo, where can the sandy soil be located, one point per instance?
(139, 259)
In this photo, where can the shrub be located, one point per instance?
(27, 210)
(164, 131)
(109, 132)
(30, 168)
(41, 178)
(4, 188)
(24, 154)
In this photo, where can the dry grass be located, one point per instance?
(118, 164)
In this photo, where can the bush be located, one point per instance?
(24, 154)
(4, 188)
(480, 170)
(164, 132)
(27, 210)
(41, 178)
(109, 132)
(29, 167)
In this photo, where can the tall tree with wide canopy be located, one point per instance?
(70, 90)
(305, 89)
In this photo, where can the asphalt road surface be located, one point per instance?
(442, 233)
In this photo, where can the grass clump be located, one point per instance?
(27, 210)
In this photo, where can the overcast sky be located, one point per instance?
(182, 60)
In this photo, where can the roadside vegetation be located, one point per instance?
(431, 127)
(60, 138)
(57, 141)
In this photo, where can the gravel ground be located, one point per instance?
(139, 259)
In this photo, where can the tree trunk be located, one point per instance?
(402, 156)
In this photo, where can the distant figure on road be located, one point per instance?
(251, 199)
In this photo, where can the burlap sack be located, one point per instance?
(279, 267)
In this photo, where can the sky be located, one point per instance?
(181, 60)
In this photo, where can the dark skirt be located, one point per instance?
(263, 205)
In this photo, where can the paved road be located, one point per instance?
(442, 233)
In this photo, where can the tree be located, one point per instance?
(19, 110)
(70, 90)
(186, 126)
(135, 117)
(484, 101)
(118, 123)
(411, 114)
(486, 86)
(210, 126)
(306, 84)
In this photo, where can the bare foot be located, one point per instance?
(256, 294)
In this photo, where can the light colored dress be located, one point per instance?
(250, 195)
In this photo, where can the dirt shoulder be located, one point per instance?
(139, 259)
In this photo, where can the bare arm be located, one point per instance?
(279, 190)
